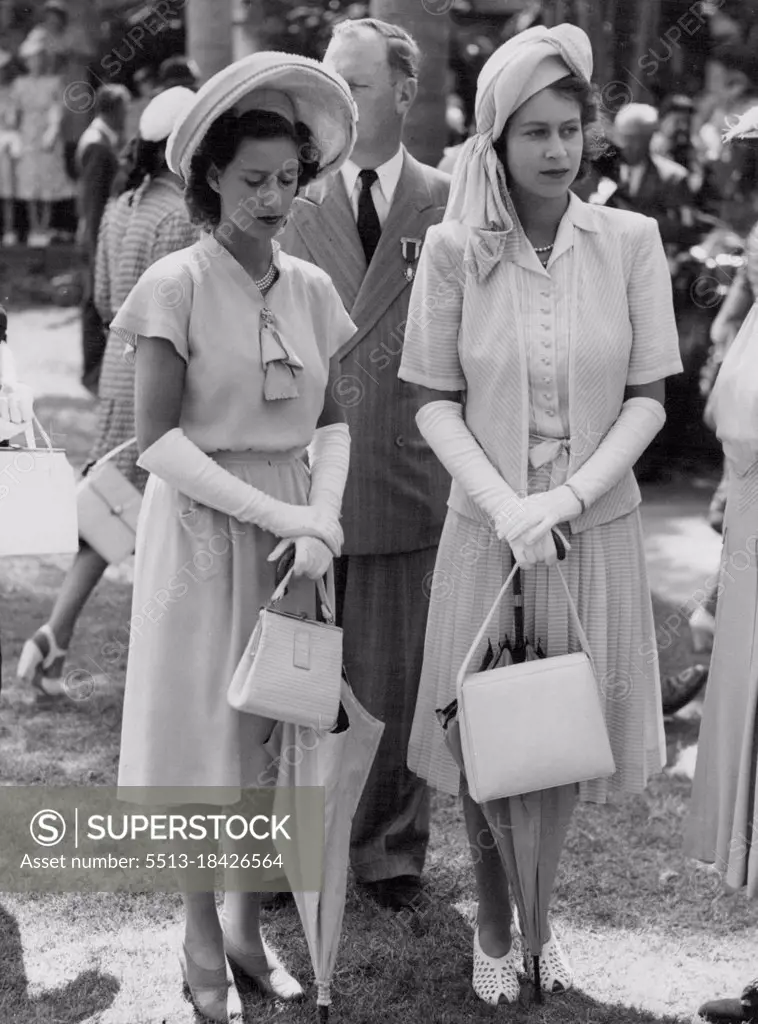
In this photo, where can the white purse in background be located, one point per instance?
(109, 507)
(532, 725)
(37, 499)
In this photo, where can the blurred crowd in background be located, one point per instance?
(668, 89)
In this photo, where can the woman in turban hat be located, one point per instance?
(540, 334)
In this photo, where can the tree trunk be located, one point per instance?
(209, 34)
(648, 21)
(247, 19)
(425, 130)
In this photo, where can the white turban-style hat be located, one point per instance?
(516, 71)
(163, 111)
(297, 88)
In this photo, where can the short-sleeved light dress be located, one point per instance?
(605, 570)
(40, 173)
(200, 576)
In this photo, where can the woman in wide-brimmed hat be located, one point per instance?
(556, 320)
(235, 343)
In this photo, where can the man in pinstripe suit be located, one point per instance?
(367, 233)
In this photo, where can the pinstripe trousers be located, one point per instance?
(382, 606)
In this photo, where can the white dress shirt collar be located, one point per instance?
(389, 175)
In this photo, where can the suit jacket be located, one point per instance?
(97, 165)
(663, 194)
(397, 490)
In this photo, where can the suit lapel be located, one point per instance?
(329, 232)
(385, 278)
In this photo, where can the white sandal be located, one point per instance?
(556, 974)
(495, 979)
(43, 670)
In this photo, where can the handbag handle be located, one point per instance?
(31, 440)
(320, 587)
(480, 635)
(112, 454)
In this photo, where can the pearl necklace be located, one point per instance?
(267, 280)
(543, 248)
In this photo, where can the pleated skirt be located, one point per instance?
(607, 578)
(200, 579)
(724, 808)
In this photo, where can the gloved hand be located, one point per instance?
(178, 461)
(542, 552)
(443, 426)
(16, 409)
(312, 556)
(549, 508)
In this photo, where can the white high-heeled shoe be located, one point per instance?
(41, 663)
(556, 973)
(495, 979)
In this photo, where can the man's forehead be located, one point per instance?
(357, 47)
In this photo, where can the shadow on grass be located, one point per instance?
(398, 968)
(91, 993)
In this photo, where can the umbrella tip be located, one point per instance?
(537, 980)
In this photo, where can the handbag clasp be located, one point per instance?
(301, 650)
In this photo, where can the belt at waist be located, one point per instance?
(547, 449)
(254, 457)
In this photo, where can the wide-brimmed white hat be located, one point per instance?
(297, 87)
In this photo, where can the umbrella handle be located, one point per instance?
(463, 671)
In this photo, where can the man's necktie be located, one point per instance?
(369, 227)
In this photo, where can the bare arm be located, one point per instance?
(656, 390)
(158, 390)
(332, 412)
(423, 396)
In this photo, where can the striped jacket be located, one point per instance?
(396, 490)
(464, 334)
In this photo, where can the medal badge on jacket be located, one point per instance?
(411, 249)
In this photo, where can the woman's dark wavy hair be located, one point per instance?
(140, 160)
(220, 146)
(587, 95)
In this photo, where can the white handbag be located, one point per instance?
(109, 508)
(37, 499)
(291, 670)
(534, 725)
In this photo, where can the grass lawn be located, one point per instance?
(644, 927)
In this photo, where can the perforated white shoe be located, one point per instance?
(556, 973)
(495, 979)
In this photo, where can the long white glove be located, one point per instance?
(329, 457)
(638, 422)
(16, 409)
(444, 428)
(16, 400)
(175, 459)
